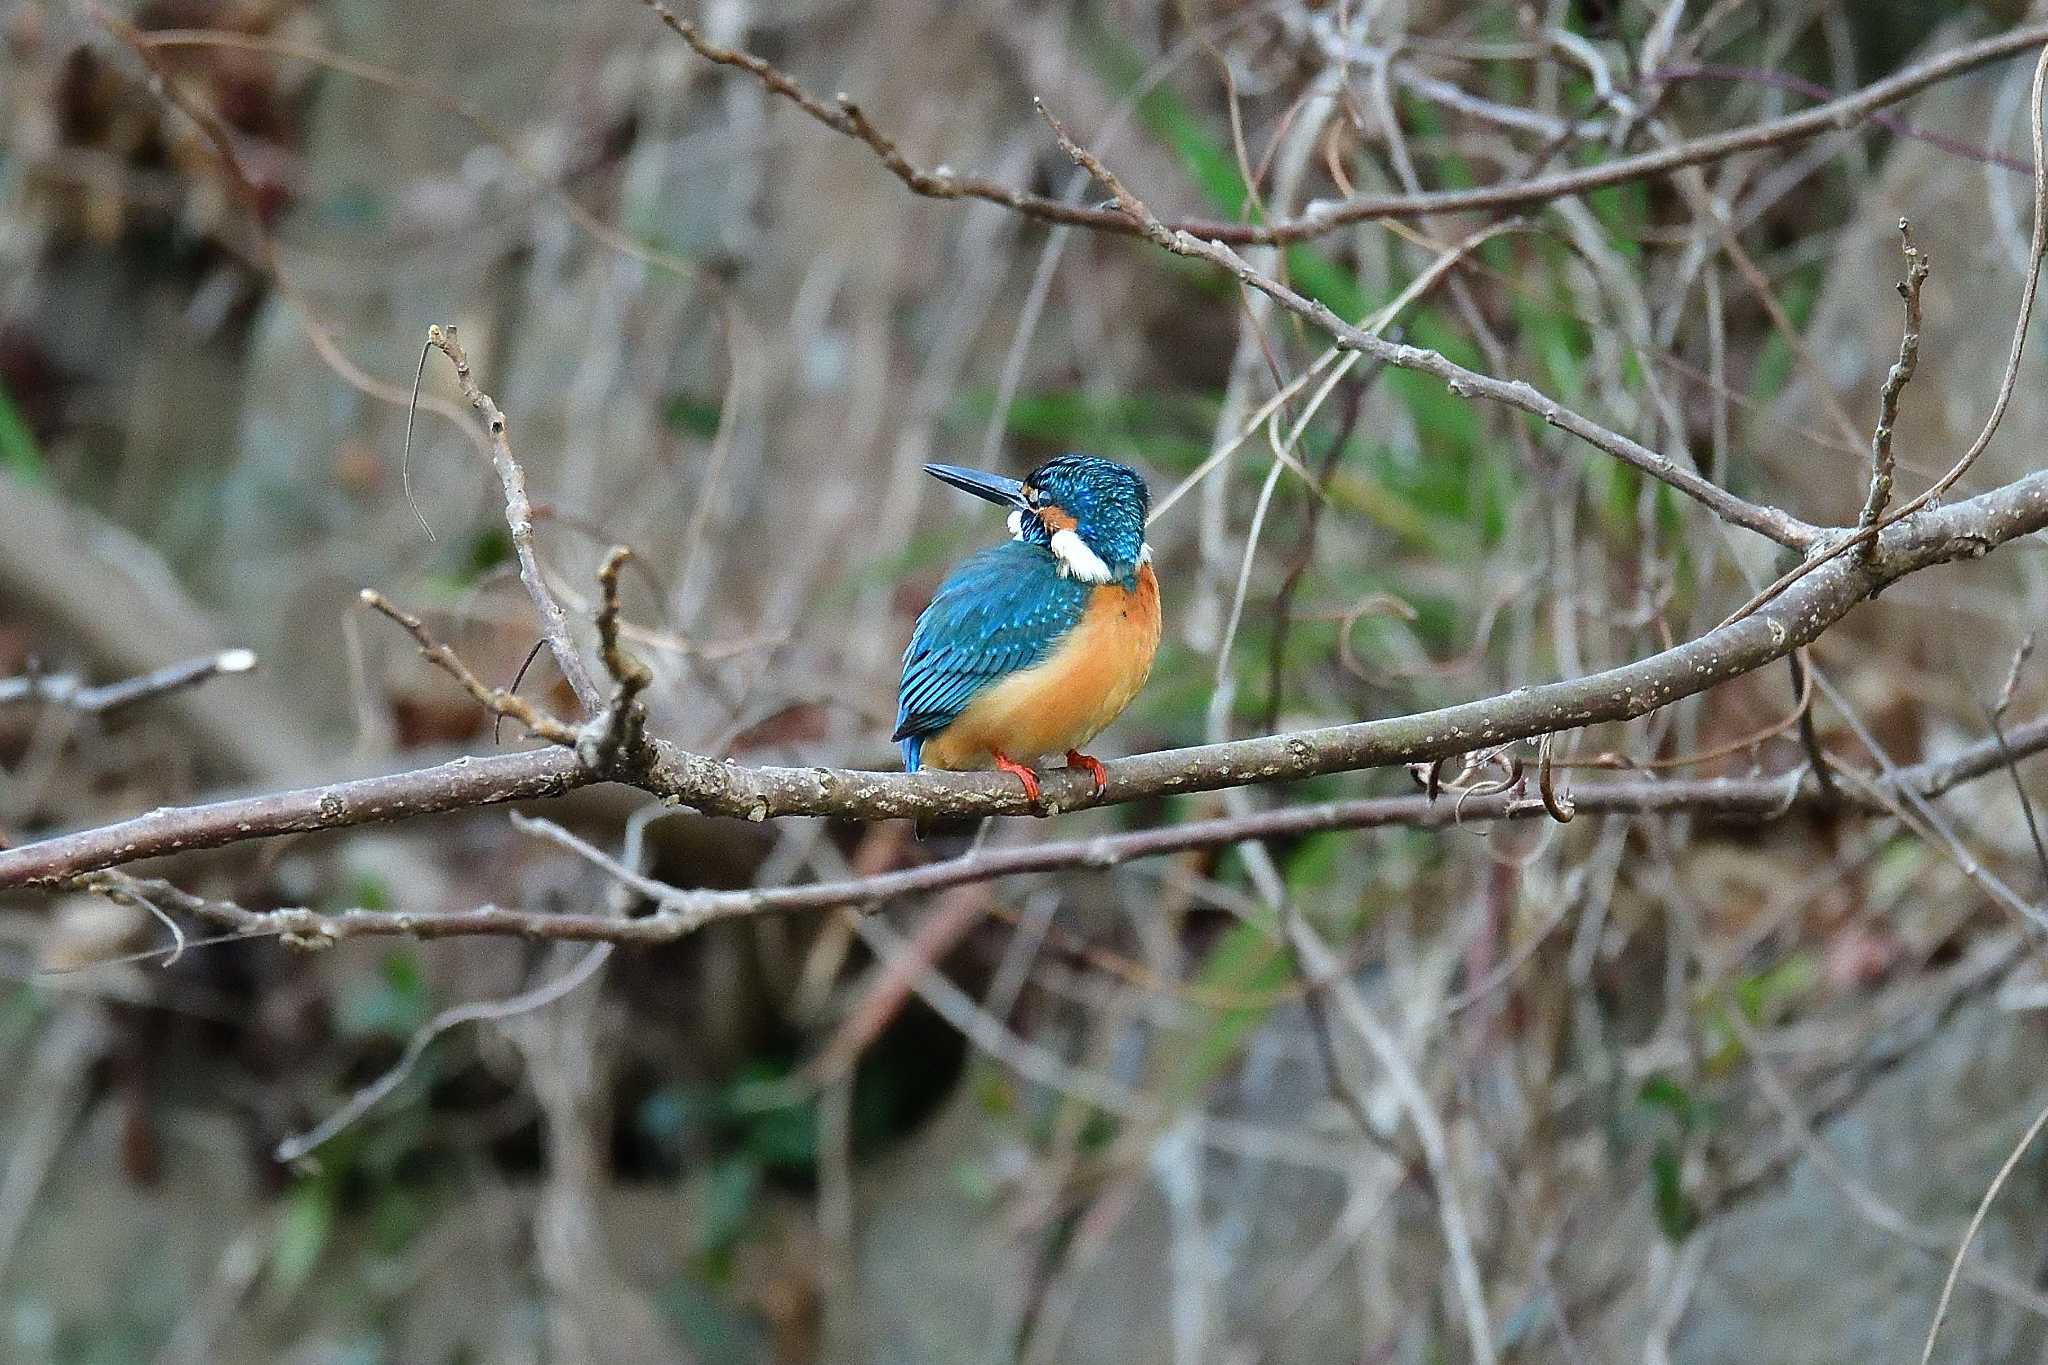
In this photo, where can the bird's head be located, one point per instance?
(1090, 512)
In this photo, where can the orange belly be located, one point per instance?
(1069, 697)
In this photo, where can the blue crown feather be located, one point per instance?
(1108, 502)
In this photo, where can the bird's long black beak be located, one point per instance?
(995, 487)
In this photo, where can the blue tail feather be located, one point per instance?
(913, 748)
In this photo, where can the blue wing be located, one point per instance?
(1001, 610)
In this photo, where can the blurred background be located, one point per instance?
(1703, 1091)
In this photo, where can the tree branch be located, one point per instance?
(72, 693)
(554, 622)
(1836, 115)
(495, 700)
(1861, 536)
(1882, 462)
(1963, 530)
(464, 784)
(679, 911)
(1771, 522)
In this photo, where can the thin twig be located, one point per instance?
(124, 890)
(74, 694)
(554, 623)
(1895, 381)
(2029, 288)
(495, 700)
(1318, 219)
(1955, 1269)
(242, 185)
(619, 731)
(362, 1101)
(2011, 685)
(2019, 786)
(436, 92)
(1771, 522)
(1802, 1136)
(1557, 804)
(1319, 961)
(1305, 551)
(1809, 734)
(405, 451)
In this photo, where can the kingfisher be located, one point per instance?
(1035, 644)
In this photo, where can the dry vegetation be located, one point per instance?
(1574, 890)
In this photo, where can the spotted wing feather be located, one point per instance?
(1001, 610)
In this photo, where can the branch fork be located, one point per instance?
(612, 744)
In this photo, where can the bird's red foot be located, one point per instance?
(1024, 775)
(1077, 759)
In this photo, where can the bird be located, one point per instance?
(1033, 645)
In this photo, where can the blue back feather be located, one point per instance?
(1001, 610)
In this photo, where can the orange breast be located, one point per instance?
(1067, 699)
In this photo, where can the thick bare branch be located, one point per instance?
(463, 784)
(679, 911)
(1961, 530)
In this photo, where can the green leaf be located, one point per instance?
(462, 562)
(368, 892)
(1313, 865)
(692, 416)
(708, 1323)
(1168, 432)
(1661, 1092)
(20, 1010)
(394, 1004)
(785, 1137)
(20, 455)
(1205, 154)
(397, 1218)
(1245, 961)
(976, 1182)
(303, 1226)
(1797, 295)
(730, 1188)
(1624, 210)
(1676, 1216)
(995, 1093)
(1784, 983)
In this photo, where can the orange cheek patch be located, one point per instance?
(1056, 519)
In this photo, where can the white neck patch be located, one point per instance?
(1077, 560)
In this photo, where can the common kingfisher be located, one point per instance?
(1033, 645)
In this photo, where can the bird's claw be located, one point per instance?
(1024, 775)
(1077, 759)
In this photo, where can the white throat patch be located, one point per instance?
(1077, 560)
